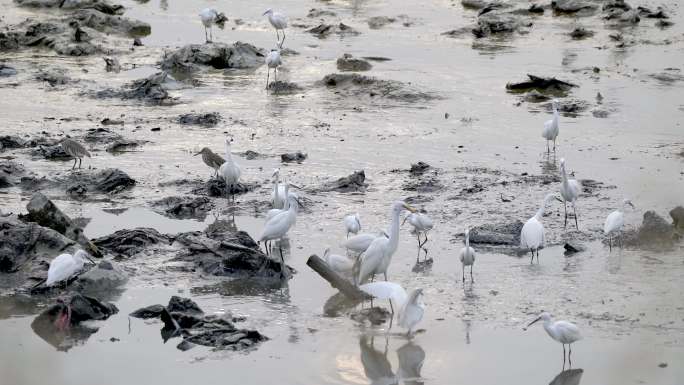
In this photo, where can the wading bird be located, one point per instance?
(421, 225)
(377, 257)
(614, 223)
(209, 17)
(273, 61)
(467, 256)
(279, 194)
(341, 264)
(352, 223)
(569, 190)
(550, 131)
(410, 306)
(532, 233)
(562, 331)
(211, 159)
(273, 212)
(277, 227)
(359, 243)
(65, 266)
(230, 171)
(74, 150)
(279, 22)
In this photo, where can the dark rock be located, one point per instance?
(111, 23)
(60, 36)
(104, 278)
(10, 173)
(99, 5)
(283, 87)
(497, 234)
(298, 157)
(581, 33)
(123, 145)
(378, 22)
(54, 77)
(111, 122)
(54, 152)
(600, 113)
(356, 85)
(152, 311)
(659, 13)
(112, 181)
(572, 6)
(137, 42)
(663, 23)
(616, 4)
(541, 84)
(208, 120)
(535, 96)
(8, 142)
(324, 30)
(622, 17)
(315, 13)
(419, 168)
(6, 71)
(251, 155)
(77, 191)
(183, 305)
(130, 242)
(474, 4)
(185, 207)
(677, 215)
(349, 63)
(112, 65)
(216, 187)
(101, 135)
(352, 183)
(194, 57)
(152, 89)
(495, 23)
(573, 247)
(536, 8)
(41, 210)
(654, 233)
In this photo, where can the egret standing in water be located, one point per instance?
(273, 212)
(277, 227)
(273, 61)
(411, 307)
(75, 150)
(614, 223)
(569, 190)
(421, 225)
(550, 131)
(467, 256)
(360, 242)
(352, 223)
(230, 171)
(377, 257)
(209, 17)
(532, 233)
(562, 331)
(279, 22)
(279, 194)
(65, 266)
(211, 159)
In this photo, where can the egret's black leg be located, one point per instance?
(574, 209)
(565, 209)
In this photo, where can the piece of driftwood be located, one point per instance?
(344, 286)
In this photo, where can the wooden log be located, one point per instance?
(344, 286)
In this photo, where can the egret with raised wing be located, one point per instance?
(411, 307)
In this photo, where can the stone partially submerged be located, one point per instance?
(184, 207)
(209, 119)
(541, 84)
(356, 85)
(100, 5)
(324, 30)
(152, 89)
(654, 233)
(127, 243)
(195, 57)
(497, 234)
(349, 63)
(354, 182)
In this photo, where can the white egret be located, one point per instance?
(65, 266)
(410, 306)
(467, 256)
(209, 17)
(550, 131)
(211, 159)
(614, 223)
(421, 225)
(569, 190)
(340, 264)
(273, 61)
(278, 226)
(562, 331)
(273, 212)
(352, 223)
(230, 171)
(75, 150)
(377, 257)
(532, 233)
(279, 22)
(360, 242)
(279, 194)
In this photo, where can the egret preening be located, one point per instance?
(359, 243)
(569, 190)
(532, 233)
(273, 61)
(211, 159)
(377, 257)
(65, 266)
(75, 150)
(410, 306)
(614, 223)
(340, 264)
(562, 331)
(352, 223)
(279, 194)
(230, 171)
(209, 17)
(421, 225)
(467, 256)
(550, 131)
(273, 212)
(278, 226)
(279, 22)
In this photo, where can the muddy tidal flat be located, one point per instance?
(438, 104)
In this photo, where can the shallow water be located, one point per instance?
(627, 303)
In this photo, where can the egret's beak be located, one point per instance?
(409, 208)
(404, 221)
(326, 252)
(295, 186)
(197, 153)
(559, 200)
(265, 13)
(385, 234)
(631, 204)
(299, 202)
(531, 323)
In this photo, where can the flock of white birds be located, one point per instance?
(370, 254)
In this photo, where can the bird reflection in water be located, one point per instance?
(568, 377)
(378, 369)
(411, 358)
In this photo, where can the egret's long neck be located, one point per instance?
(275, 186)
(229, 157)
(394, 230)
(467, 240)
(286, 204)
(548, 326)
(555, 115)
(540, 212)
(564, 175)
